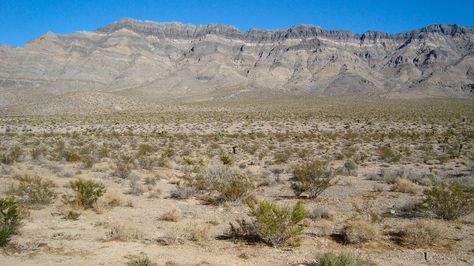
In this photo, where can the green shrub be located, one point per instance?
(87, 192)
(33, 191)
(342, 259)
(226, 158)
(311, 178)
(10, 219)
(237, 189)
(271, 223)
(145, 261)
(450, 201)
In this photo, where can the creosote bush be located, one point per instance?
(342, 259)
(10, 219)
(272, 224)
(450, 201)
(311, 178)
(218, 183)
(87, 192)
(33, 191)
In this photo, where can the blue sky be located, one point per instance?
(22, 20)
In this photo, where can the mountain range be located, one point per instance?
(132, 64)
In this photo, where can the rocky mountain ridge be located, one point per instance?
(154, 63)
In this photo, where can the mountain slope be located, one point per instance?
(159, 62)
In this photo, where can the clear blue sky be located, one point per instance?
(22, 20)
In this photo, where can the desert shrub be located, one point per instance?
(10, 219)
(405, 186)
(124, 232)
(122, 169)
(359, 231)
(272, 224)
(311, 178)
(37, 152)
(222, 184)
(237, 189)
(183, 192)
(226, 158)
(87, 161)
(145, 149)
(421, 234)
(103, 151)
(282, 156)
(350, 166)
(33, 191)
(87, 192)
(11, 155)
(147, 162)
(388, 155)
(320, 212)
(342, 259)
(187, 160)
(144, 261)
(198, 233)
(71, 156)
(171, 216)
(366, 211)
(136, 187)
(450, 201)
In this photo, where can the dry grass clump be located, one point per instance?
(198, 233)
(421, 234)
(124, 232)
(405, 186)
(359, 231)
(171, 216)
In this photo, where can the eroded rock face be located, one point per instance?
(173, 60)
